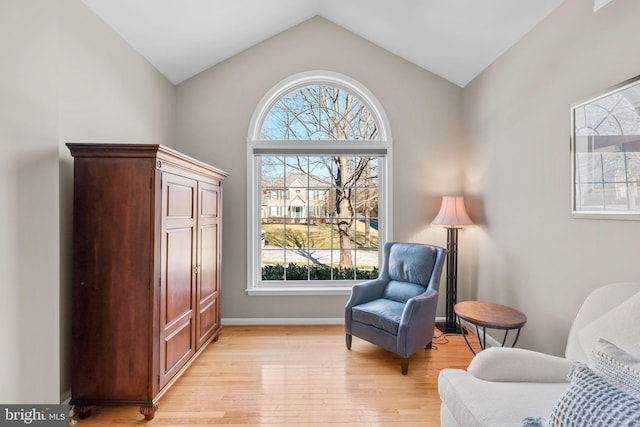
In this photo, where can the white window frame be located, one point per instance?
(256, 146)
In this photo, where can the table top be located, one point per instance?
(490, 315)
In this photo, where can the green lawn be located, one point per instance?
(318, 236)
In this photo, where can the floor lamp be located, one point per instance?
(452, 216)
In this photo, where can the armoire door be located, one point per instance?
(178, 274)
(208, 320)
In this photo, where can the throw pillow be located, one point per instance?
(591, 400)
(616, 366)
(533, 422)
(610, 327)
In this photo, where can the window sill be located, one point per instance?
(626, 215)
(307, 291)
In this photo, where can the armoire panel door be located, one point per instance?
(178, 279)
(208, 275)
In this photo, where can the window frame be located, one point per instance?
(257, 147)
(576, 210)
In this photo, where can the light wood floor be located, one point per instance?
(299, 376)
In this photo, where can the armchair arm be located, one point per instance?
(519, 365)
(361, 293)
(366, 291)
(417, 322)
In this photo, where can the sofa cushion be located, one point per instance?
(614, 327)
(382, 313)
(591, 400)
(473, 402)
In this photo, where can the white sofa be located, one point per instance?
(505, 386)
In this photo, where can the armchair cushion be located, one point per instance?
(412, 263)
(402, 291)
(382, 313)
(519, 365)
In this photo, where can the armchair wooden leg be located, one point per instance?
(405, 365)
(348, 337)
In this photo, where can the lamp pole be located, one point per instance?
(452, 216)
(450, 326)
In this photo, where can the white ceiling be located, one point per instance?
(455, 39)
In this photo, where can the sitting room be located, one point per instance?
(309, 138)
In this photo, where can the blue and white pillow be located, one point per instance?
(606, 393)
(591, 400)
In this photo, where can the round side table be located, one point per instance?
(489, 315)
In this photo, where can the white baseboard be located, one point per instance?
(491, 341)
(283, 321)
(65, 397)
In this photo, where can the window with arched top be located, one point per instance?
(318, 177)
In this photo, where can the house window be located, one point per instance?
(318, 177)
(606, 154)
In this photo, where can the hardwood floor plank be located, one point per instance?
(299, 375)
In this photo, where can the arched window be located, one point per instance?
(318, 156)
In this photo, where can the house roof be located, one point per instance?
(293, 179)
(453, 39)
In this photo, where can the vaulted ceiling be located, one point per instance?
(455, 39)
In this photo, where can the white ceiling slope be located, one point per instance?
(455, 39)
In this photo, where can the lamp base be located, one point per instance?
(451, 330)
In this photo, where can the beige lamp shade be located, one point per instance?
(452, 213)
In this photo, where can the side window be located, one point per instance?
(606, 154)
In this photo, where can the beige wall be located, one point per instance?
(213, 113)
(65, 77)
(28, 203)
(530, 253)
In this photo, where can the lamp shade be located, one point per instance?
(452, 213)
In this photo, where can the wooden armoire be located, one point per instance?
(146, 271)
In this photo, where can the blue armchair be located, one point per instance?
(397, 311)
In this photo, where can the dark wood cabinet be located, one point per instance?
(146, 271)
